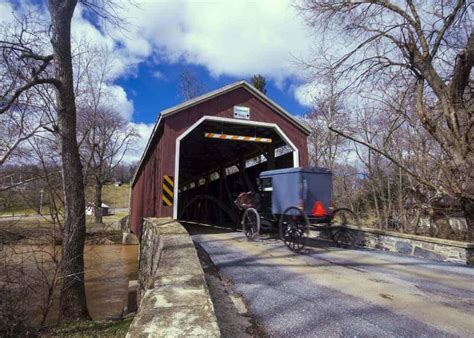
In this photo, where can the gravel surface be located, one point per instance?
(328, 291)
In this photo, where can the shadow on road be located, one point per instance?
(195, 228)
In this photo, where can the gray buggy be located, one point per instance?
(294, 202)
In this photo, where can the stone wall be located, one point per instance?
(172, 293)
(420, 246)
(121, 224)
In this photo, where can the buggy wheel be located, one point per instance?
(293, 225)
(251, 223)
(343, 216)
(343, 238)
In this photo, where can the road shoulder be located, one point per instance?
(233, 315)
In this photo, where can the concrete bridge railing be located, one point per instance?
(414, 245)
(173, 296)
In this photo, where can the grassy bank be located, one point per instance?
(107, 328)
(115, 197)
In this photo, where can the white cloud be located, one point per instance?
(86, 36)
(306, 93)
(6, 12)
(83, 30)
(232, 38)
(119, 100)
(137, 149)
(228, 38)
(159, 75)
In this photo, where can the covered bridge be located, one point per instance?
(205, 151)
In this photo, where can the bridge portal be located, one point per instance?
(205, 151)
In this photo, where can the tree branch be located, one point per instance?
(462, 71)
(447, 23)
(10, 102)
(389, 157)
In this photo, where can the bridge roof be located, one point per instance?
(211, 95)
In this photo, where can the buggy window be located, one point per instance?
(266, 184)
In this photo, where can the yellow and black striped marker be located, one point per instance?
(168, 187)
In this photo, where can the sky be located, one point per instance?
(220, 41)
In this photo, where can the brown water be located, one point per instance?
(108, 270)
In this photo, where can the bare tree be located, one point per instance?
(189, 85)
(18, 125)
(108, 139)
(29, 65)
(325, 145)
(29, 274)
(30, 270)
(21, 69)
(104, 135)
(43, 151)
(430, 48)
(73, 297)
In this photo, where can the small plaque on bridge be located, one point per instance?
(241, 112)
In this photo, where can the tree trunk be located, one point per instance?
(72, 303)
(377, 209)
(468, 208)
(98, 202)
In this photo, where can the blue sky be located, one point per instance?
(152, 94)
(220, 41)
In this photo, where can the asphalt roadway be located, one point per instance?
(331, 292)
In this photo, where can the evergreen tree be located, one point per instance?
(259, 82)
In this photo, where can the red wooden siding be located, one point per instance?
(160, 160)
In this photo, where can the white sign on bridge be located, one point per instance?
(241, 113)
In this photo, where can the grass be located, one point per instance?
(27, 223)
(115, 197)
(24, 222)
(108, 328)
(114, 218)
(45, 221)
(17, 212)
(107, 219)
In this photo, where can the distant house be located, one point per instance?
(90, 209)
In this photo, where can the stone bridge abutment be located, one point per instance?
(173, 297)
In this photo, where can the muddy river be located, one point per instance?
(108, 270)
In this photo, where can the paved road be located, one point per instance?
(329, 291)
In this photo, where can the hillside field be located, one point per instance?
(18, 201)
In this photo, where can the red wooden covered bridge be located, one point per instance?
(205, 151)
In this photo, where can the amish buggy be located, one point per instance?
(293, 202)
